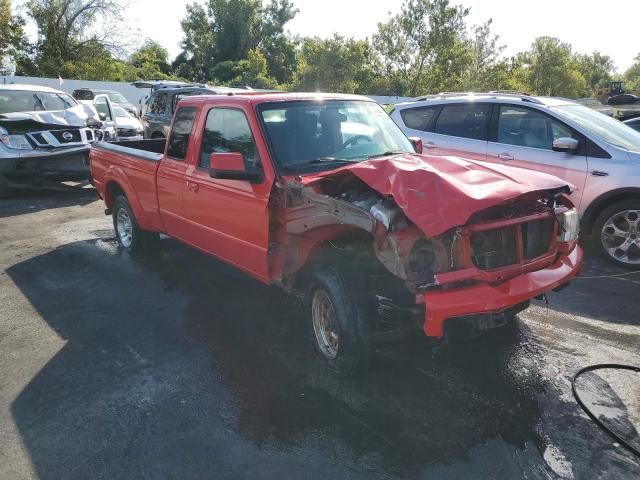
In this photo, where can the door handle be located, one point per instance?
(193, 187)
(429, 145)
(505, 156)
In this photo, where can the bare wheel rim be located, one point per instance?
(124, 227)
(325, 325)
(620, 236)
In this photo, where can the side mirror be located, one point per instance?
(417, 144)
(102, 116)
(565, 144)
(230, 166)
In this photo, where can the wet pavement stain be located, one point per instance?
(174, 365)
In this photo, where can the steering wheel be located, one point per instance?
(353, 140)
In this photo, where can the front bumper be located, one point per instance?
(485, 298)
(70, 163)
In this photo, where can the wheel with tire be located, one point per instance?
(339, 327)
(129, 235)
(617, 233)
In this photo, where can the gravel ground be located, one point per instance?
(173, 365)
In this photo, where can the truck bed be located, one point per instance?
(145, 149)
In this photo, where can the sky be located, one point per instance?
(586, 25)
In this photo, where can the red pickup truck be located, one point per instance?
(323, 194)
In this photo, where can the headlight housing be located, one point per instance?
(569, 226)
(18, 142)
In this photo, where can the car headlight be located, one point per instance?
(569, 226)
(19, 142)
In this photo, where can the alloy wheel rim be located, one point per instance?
(325, 325)
(124, 226)
(620, 236)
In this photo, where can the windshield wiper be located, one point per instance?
(329, 160)
(386, 154)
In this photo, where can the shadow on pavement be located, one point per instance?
(31, 201)
(177, 366)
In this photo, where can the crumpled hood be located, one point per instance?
(438, 193)
(75, 116)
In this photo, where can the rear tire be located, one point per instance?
(616, 232)
(128, 233)
(338, 323)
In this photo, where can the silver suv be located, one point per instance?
(597, 154)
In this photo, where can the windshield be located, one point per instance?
(600, 126)
(29, 101)
(120, 112)
(305, 133)
(116, 97)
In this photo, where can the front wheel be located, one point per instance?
(129, 235)
(617, 232)
(339, 326)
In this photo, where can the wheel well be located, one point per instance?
(112, 191)
(602, 202)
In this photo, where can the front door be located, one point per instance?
(523, 137)
(228, 218)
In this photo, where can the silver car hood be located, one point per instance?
(76, 116)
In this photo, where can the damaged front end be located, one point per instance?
(33, 153)
(477, 274)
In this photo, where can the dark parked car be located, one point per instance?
(157, 108)
(624, 99)
(114, 97)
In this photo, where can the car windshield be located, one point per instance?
(116, 97)
(600, 126)
(120, 112)
(305, 133)
(30, 101)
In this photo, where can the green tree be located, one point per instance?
(424, 47)
(151, 60)
(279, 50)
(632, 74)
(334, 65)
(596, 68)
(69, 30)
(485, 70)
(549, 68)
(13, 42)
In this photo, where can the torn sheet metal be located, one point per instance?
(438, 193)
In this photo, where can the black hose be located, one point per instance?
(602, 366)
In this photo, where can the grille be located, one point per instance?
(494, 248)
(127, 132)
(72, 136)
(536, 237)
(499, 247)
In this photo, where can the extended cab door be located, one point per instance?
(523, 137)
(228, 218)
(173, 169)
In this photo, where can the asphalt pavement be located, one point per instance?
(171, 365)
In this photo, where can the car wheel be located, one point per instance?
(338, 322)
(129, 235)
(617, 229)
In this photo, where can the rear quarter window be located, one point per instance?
(179, 138)
(420, 118)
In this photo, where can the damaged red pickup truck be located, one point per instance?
(323, 194)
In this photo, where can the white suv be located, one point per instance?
(597, 154)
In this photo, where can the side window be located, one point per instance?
(179, 138)
(525, 127)
(227, 130)
(466, 121)
(103, 107)
(420, 118)
(159, 104)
